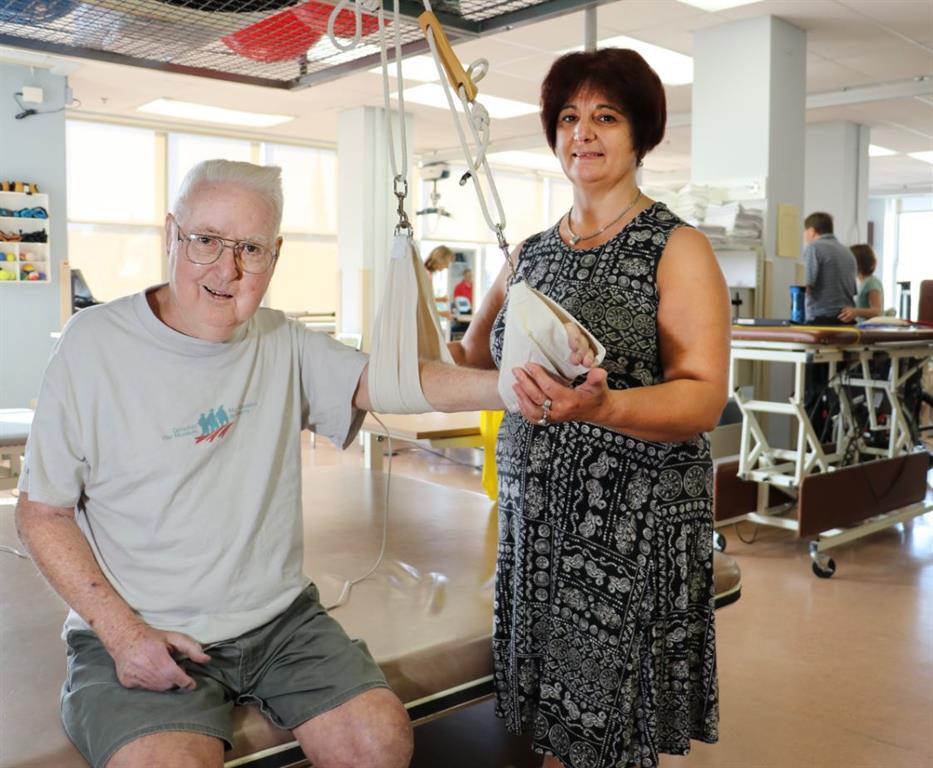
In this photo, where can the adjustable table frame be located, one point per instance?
(766, 465)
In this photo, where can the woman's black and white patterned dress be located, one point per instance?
(603, 640)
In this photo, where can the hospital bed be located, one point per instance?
(850, 487)
(426, 615)
(14, 429)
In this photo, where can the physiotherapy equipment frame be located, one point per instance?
(194, 36)
(787, 469)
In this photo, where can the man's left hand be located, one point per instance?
(847, 315)
(581, 352)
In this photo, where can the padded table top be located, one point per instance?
(425, 426)
(14, 425)
(835, 336)
(426, 614)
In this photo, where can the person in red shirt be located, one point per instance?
(465, 288)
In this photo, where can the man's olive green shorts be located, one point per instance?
(296, 667)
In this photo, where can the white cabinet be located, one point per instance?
(24, 261)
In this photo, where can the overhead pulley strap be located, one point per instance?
(407, 330)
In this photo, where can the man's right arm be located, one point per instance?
(142, 655)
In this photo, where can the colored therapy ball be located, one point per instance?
(5, 275)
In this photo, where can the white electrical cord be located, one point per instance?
(348, 585)
(5, 548)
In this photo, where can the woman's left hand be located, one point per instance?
(535, 388)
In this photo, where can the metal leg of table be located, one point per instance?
(372, 451)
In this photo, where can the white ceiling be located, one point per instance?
(850, 43)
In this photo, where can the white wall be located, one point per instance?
(836, 180)
(32, 149)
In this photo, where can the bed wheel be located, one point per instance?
(719, 541)
(825, 568)
(823, 565)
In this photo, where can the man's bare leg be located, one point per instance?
(371, 730)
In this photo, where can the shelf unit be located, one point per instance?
(19, 260)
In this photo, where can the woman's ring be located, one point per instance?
(546, 407)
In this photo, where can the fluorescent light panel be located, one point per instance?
(875, 151)
(432, 95)
(717, 5)
(927, 157)
(187, 110)
(672, 67)
(421, 69)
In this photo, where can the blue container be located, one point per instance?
(798, 298)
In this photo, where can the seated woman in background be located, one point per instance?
(870, 299)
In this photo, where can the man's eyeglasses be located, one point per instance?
(206, 249)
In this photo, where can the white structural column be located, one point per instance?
(749, 100)
(837, 177)
(366, 213)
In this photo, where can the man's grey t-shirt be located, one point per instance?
(831, 271)
(182, 457)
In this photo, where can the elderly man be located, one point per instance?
(161, 499)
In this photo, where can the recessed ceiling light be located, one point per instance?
(672, 67)
(717, 5)
(421, 69)
(537, 161)
(187, 110)
(432, 95)
(875, 151)
(927, 157)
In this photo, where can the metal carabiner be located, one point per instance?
(400, 189)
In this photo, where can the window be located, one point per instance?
(111, 174)
(114, 211)
(309, 181)
(914, 235)
(115, 261)
(186, 150)
(305, 278)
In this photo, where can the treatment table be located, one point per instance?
(14, 429)
(426, 614)
(848, 484)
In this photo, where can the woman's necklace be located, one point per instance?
(575, 238)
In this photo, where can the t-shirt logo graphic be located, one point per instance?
(214, 424)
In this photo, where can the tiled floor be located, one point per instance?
(833, 673)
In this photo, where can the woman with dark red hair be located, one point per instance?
(603, 640)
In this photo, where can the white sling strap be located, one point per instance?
(535, 333)
(406, 330)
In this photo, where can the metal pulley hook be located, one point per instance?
(504, 247)
(401, 192)
(478, 70)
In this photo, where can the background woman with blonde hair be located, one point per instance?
(439, 259)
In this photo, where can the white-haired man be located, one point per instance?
(161, 499)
